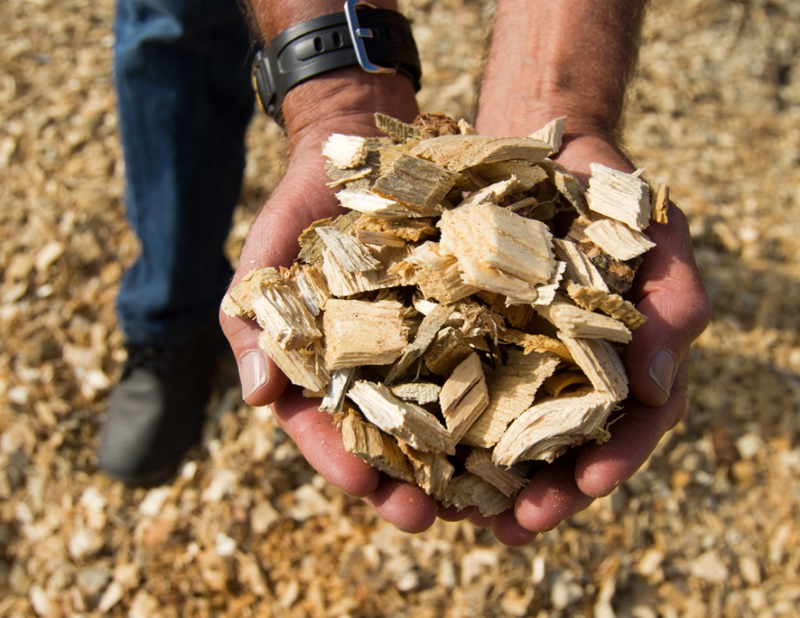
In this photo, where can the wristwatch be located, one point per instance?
(378, 40)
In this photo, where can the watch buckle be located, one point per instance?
(358, 34)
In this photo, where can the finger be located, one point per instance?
(321, 444)
(451, 513)
(262, 382)
(670, 293)
(507, 530)
(551, 497)
(407, 507)
(477, 519)
(602, 467)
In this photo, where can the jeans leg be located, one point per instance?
(184, 98)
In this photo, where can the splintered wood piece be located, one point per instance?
(492, 194)
(311, 245)
(417, 183)
(310, 285)
(449, 349)
(618, 240)
(366, 441)
(398, 131)
(660, 201)
(411, 230)
(343, 283)
(437, 275)
(549, 428)
(346, 251)
(301, 366)
(333, 401)
(508, 480)
(556, 384)
(405, 421)
(350, 178)
(471, 490)
(611, 304)
(623, 197)
(265, 295)
(432, 471)
(430, 326)
(418, 392)
(369, 203)
(617, 274)
(576, 322)
(512, 388)
(436, 124)
(601, 364)
(499, 251)
(551, 133)
(568, 185)
(460, 152)
(464, 397)
(363, 333)
(465, 128)
(345, 151)
(380, 239)
(527, 174)
(535, 343)
(579, 268)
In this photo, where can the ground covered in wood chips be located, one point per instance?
(709, 528)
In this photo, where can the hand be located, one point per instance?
(345, 104)
(668, 290)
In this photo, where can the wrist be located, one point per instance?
(345, 101)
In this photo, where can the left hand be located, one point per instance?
(669, 291)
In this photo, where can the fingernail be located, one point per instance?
(252, 373)
(662, 370)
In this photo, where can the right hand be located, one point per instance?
(341, 102)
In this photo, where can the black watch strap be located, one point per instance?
(378, 40)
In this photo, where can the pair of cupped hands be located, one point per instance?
(667, 290)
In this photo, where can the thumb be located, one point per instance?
(670, 293)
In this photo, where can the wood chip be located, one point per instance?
(469, 489)
(365, 440)
(618, 240)
(464, 397)
(577, 322)
(623, 197)
(611, 304)
(601, 364)
(428, 329)
(410, 423)
(458, 153)
(416, 183)
(345, 151)
(508, 480)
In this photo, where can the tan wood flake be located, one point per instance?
(366, 441)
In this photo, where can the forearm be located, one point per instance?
(345, 97)
(564, 57)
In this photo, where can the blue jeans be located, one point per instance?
(182, 72)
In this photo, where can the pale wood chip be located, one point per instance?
(398, 131)
(535, 343)
(623, 197)
(345, 151)
(499, 251)
(552, 133)
(347, 252)
(660, 203)
(491, 194)
(411, 230)
(301, 366)
(449, 349)
(363, 333)
(310, 285)
(264, 294)
(527, 174)
(512, 388)
(432, 471)
(601, 364)
(376, 448)
(380, 239)
(334, 398)
(618, 240)
(577, 322)
(508, 480)
(549, 428)
(471, 490)
(343, 283)
(405, 421)
(611, 304)
(579, 267)
(428, 329)
(369, 203)
(464, 396)
(311, 245)
(460, 152)
(568, 185)
(416, 183)
(418, 392)
(438, 275)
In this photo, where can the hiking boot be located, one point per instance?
(156, 412)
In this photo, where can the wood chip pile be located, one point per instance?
(464, 317)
